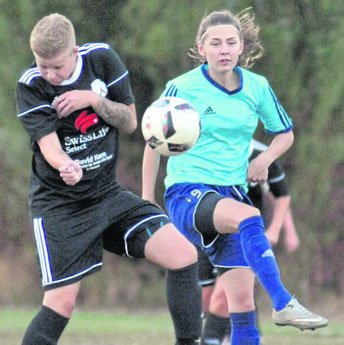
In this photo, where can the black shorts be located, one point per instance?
(70, 242)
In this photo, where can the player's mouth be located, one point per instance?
(225, 62)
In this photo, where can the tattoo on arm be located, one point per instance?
(116, 114)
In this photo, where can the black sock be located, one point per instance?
(215, 329)
(184, 298)
(45, 328)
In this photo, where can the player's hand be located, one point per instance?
(71, 101)
(71, 172)
(257, 171)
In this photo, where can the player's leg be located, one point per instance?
(238, 284)
(217, 324)
(255, 245)
(230, 216)
(49, 323)
(171, 250)
(207, 292)
(214, 302)
(65, 258)
(206, 279)
(146, 232)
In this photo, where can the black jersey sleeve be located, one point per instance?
(278, 185)
(114, 74)
(35, 111)
(276, 180)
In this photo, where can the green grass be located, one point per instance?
(107, 328)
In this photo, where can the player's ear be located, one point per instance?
(75, 51)
(200, 48)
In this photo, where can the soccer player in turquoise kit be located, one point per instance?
(73, 102)
(206, 186)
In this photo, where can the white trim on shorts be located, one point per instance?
(128, 232)
(44, 259)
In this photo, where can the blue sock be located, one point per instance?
(260, 257)
(244, 330)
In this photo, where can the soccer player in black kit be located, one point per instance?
(73, 102)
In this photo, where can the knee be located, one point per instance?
(170, 249)
(218, 304)
(251, 212)
(61, 300)
(192, 256)
(243, 301)
(67, 305)
(187, 257)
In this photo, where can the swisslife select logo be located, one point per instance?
(85, 121)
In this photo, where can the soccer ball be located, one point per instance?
(171, 126)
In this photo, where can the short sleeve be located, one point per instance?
(271, 112)
(35, 111)
(115, 74)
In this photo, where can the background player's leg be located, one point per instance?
(168, 248)
(49, 323)
(217, 324)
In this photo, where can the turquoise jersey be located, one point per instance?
(228, 121)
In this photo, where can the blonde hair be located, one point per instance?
(52, 35)
(247, 29)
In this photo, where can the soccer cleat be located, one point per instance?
(296, 315)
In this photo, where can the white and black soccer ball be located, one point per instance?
(171, 126)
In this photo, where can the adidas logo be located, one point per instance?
(209, 111)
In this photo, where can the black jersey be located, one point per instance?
(84, 135)
(276, 181)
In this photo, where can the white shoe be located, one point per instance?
(296, 315)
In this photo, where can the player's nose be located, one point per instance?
(50, 74)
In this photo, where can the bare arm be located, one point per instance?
(119, 115)
(280, 208)
(51, 149)
(291, 238)
(150, 169)
(258, 168)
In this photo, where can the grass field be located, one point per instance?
(149, 328)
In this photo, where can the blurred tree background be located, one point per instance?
(304, 43)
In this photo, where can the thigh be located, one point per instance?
(128, 234)
(229, 213)
(170, 249)
(239, 287)
(182, 201)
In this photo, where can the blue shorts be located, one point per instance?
(182, 200)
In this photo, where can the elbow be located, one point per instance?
(132, 125)
(132, 119)
(287, 138)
